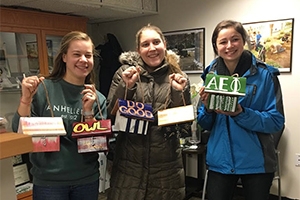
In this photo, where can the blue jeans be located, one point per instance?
(88, 191)
(255, 186)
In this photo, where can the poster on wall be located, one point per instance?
(189, 45)
(272, 42)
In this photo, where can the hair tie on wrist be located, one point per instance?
(88, 116)
(26, 103)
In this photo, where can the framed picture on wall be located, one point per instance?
(272, 42)
(189, 45)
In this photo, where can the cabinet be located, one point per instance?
(194, 185)
(29, 41)
(146, 6)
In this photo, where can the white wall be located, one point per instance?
(187, 14)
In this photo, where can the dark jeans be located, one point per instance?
(255, 186)
(74, 192)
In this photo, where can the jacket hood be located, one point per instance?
(133, 58)
(172, 55)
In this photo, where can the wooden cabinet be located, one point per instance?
(41, 25)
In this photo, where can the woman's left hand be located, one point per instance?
(89, 97)
(239, 109)
(177, 81)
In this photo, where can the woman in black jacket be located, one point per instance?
(149, 166)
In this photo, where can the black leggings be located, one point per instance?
(255, 186)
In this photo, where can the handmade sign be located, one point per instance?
(92, 136)
(45, 132)
(225, 91)
(132, 117)
(176, 115)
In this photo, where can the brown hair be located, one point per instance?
(226, 24)
(171, 58)
(59, 68)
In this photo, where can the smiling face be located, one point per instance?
(79, 61)
(230, 45)
(151, 48)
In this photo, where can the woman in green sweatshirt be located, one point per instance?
(65, 174)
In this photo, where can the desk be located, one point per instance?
(194, 185)
(25, 195)
(11, 144)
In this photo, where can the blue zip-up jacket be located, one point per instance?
(244, 144)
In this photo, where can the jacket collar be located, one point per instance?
(251, 71)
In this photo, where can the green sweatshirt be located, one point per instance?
(67, 166)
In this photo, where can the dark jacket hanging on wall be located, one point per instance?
(109, 62)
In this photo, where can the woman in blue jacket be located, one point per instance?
(241, 144)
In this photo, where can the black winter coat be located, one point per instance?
(147, 167)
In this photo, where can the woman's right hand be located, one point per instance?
(204, 98)
(131, 75)
(29, 87)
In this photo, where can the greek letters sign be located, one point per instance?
(225, 91)
(235, 86)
